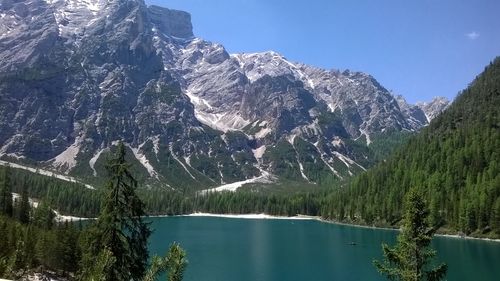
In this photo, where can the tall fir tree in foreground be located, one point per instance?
(120, 235)
(6, 207)
(410, 259)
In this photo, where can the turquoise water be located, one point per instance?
(228, 249)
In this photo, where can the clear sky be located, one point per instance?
(420, 49)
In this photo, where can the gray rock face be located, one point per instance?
(413, 113)
(171, 22)
(434, 107)
(77, 76)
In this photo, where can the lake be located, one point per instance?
(232, 249)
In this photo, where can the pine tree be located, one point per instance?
(43, 250)
(3, 234)
(6, 194)
(409, 259)
(29, 245)
(43, 216)
(23, 207)
(174, 264)
(103, 267)
(66, 253)
(120, 228)
(177, 263)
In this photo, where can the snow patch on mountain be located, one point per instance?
(94, 159)
(170, 148)
(265, 177)
(224, 121)
(347, 161)
(141, 157)
(263, 132)
(434, 107)
(73, 16)
(156, 145)
(259, 152)
(301, 168)
(291, 138)
(322, 156)
(67, 159)
(367, 136)
(197, 101)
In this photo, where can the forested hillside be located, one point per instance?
(31, 240)
(454, 161)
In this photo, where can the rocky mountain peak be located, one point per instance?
(76, 76)
(171, 22)
(434, 107)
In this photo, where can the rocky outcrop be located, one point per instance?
(171, 22)
(434, 107)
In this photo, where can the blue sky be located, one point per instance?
(419, 49)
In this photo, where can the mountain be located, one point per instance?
(454, 161)
(434, 107)
(77, 76)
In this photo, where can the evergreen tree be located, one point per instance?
(104, 264)
(66, 245)
(174, 264)
(43, 250)
(23, 207)
(43, 216)
(29, 245)
(120, 228)
(6, 194)
(177, 263)
(4, 246)
(409, 259)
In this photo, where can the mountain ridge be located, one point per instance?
(84, 74)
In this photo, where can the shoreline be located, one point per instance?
(240, 216)
(314, 218)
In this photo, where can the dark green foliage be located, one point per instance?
(454, 162)
(410, 259)
(103, 267)
(282, 159)
(241, 202)
(383, 144)
(26, 247)
(174, 263)
(495, 217)
(66, 197)
(43, 216)
(313, 165)
(120, 228)
(22, 207)
(171, 169)
(6, 207)
(331, 124)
